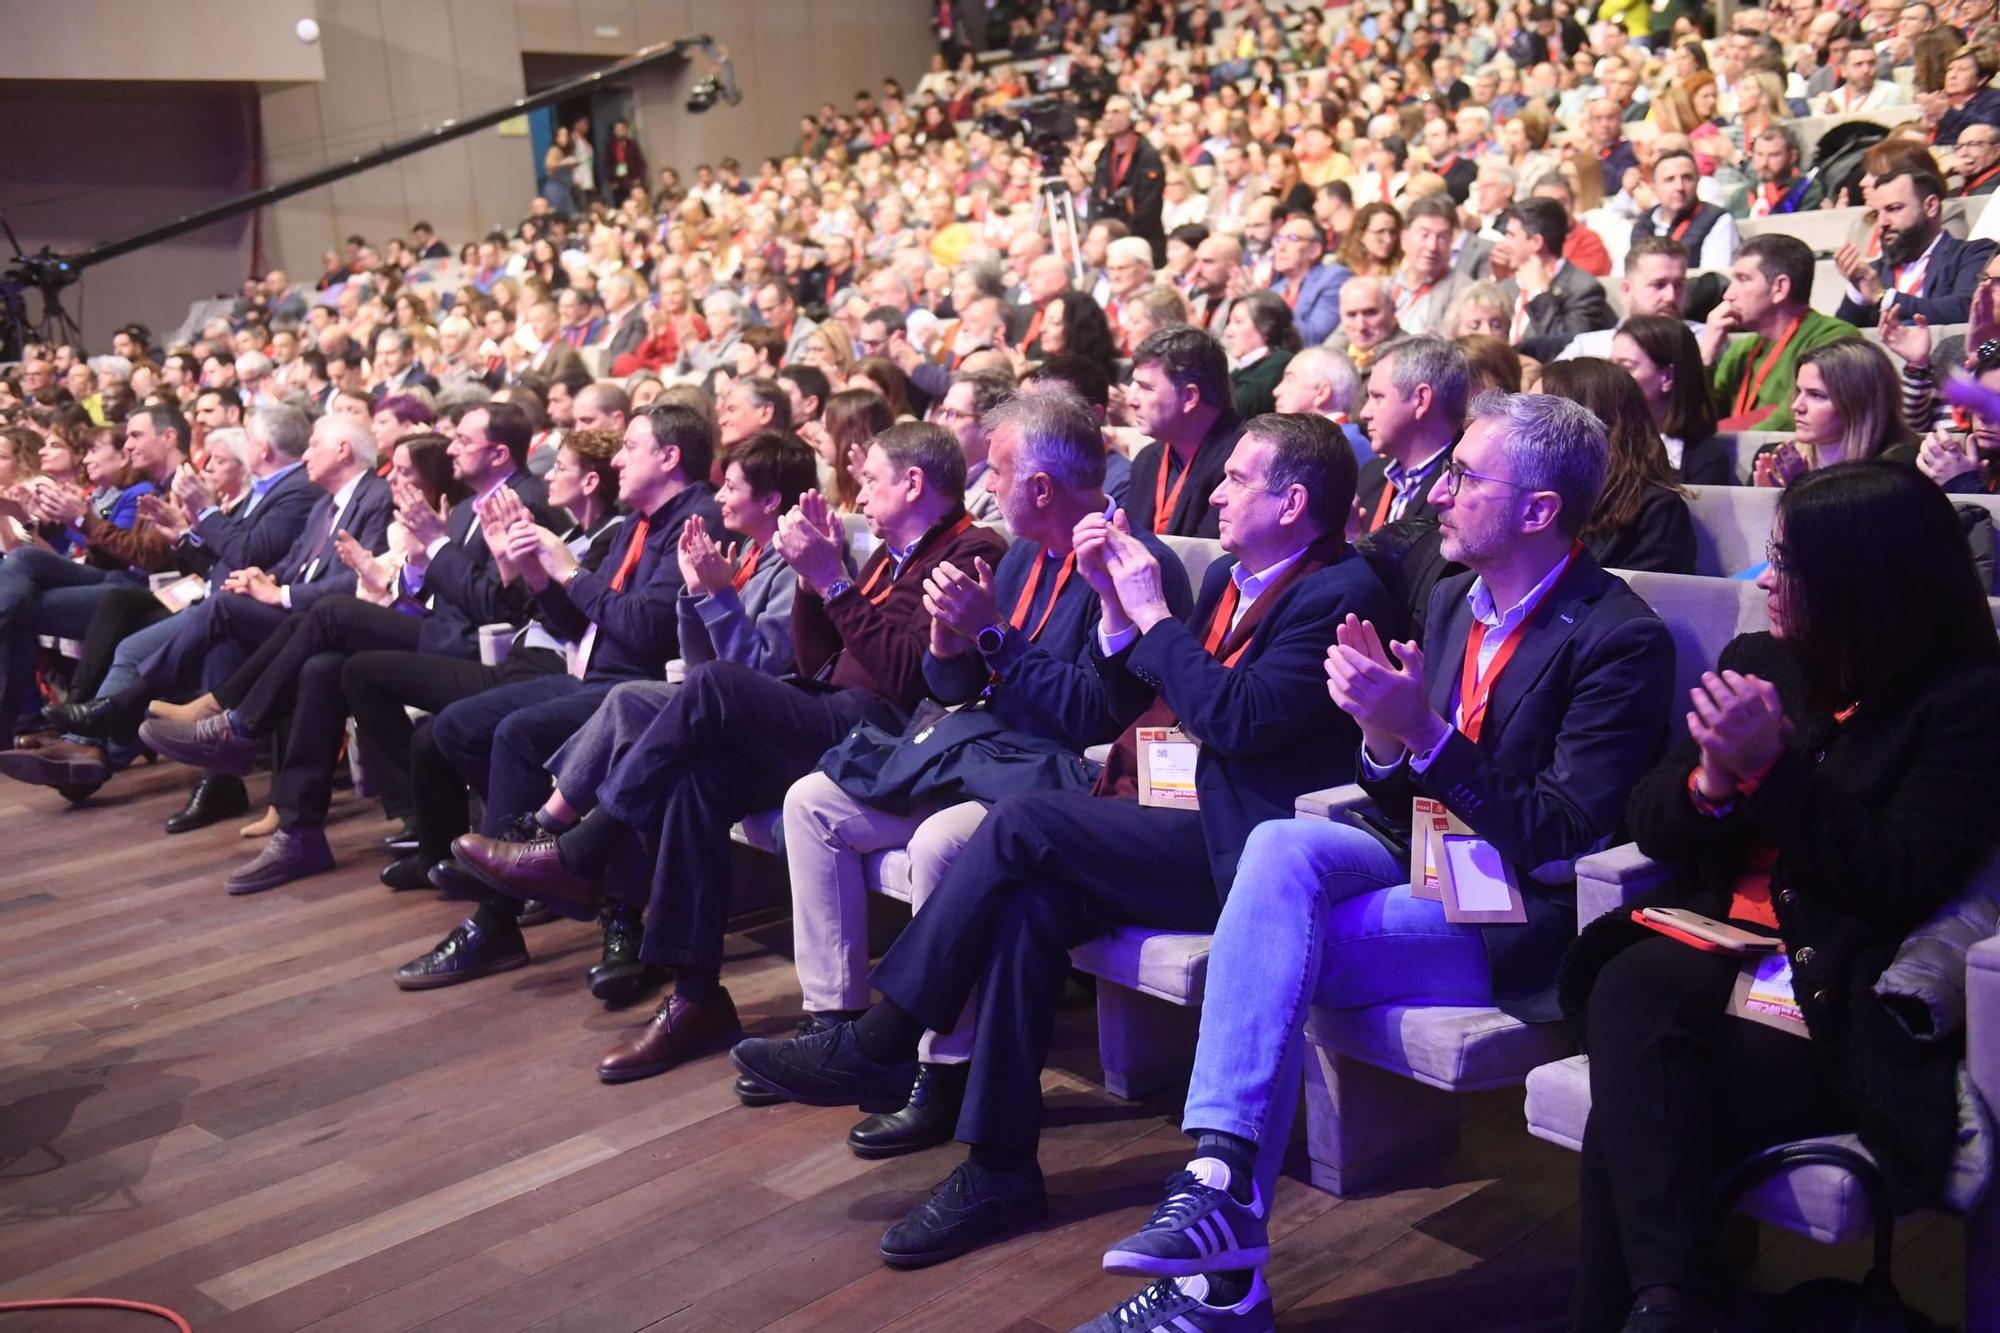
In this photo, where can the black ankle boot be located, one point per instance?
(621, 976)
(928, 1120)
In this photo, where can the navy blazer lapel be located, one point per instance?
(1444, 665)
(1550, 628)
(1942, 273)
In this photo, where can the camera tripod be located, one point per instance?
(1055, 214)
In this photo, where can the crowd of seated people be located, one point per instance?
(839, 487)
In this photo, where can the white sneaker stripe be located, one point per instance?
(1222, 1225)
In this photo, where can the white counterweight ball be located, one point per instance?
(308, 31)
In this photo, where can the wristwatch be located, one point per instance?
(991, 640)
(834, 590)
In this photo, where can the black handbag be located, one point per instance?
(1823, 1305)
(944, 757)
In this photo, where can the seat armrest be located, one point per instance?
(1608, 879)
(1333, 802)
(1982, 1018)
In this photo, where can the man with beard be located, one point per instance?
(1923, 271)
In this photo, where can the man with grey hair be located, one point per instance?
(1533, 749)
(1014, 643)
(1323, 382)
(253, 369)
(1367, 320)
(964, 409)
(1412, 410)
(725, 314)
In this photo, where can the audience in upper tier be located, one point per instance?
(841, 492)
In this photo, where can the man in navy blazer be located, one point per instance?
(1930, 272)
(1048, 870)
(449, 586)
(1310, 288)
(1544, 696)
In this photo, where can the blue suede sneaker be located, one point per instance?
(1181, 1306)
(1199, 1228)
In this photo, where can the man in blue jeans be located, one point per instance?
(1544, 697)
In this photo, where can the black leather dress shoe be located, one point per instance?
(454, 881)
(622, 976)
(99, 719)
(929, 1119)
(406, 873)
(971, 1207)
(466, 954)
(215, 797)
(824, 1068)
(532, 913)
(752, 1093)
(403, 842)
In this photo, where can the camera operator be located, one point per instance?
(1130, 184)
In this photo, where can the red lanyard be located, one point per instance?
(1293, 287)
(747, 568)
(1020, 616)
(1164, 500)
(1476, 690)
(1219, 626)
(1034, 327)
(632, 554)
(1752, 385)
(1382, 505)
(1122, 164)
(888, 561)
(1681, 227)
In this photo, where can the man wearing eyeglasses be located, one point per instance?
(1310, 288)
(1543, 696)
(1977, 157)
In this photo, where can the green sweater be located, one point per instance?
(1743, 356)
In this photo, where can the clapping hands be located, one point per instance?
(1741, 728)
(1385, 696)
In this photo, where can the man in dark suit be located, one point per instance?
(1048, 870)
(425, 242)
(624, 320)
(396, 369)
(1180, 396)
(1412, 409)
(734, 739)
(450, 579)
(1552, 299)
(1930, 272)
(620, 621)
(1545, 695)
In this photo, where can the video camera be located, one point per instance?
(1044, 124)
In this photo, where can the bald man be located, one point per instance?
(1367, 320)
(1048, 278)
(1219, 276)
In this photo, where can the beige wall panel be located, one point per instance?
(235, 41)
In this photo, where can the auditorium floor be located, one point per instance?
(224, 1106)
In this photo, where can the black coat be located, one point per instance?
(1707, 463)
(1138, 197)
(1658, 540)
(1192, 516)
(1877, 822)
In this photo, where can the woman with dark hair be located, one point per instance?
(1662, 355)
(1641, 520)
(1075, 325)
(559, 170)
(1260, 337)
(1833, 792)
(1847, 404)
(886, 378)
(849, 420)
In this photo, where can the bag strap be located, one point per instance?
(1751, 1171)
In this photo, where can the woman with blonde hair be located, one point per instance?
(830, 349)
(1481, 310)
(1847, 403)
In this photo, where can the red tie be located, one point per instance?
(632, 554)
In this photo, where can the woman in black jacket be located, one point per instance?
(1660, 353)
(1835, 790)
(1641, 520)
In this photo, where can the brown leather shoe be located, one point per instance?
(529, 870)
(679, 1031)
(56, 763)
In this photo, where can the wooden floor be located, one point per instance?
(224, 1106)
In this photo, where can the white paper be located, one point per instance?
(1479, 875)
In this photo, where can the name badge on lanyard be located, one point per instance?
(1167, 760)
